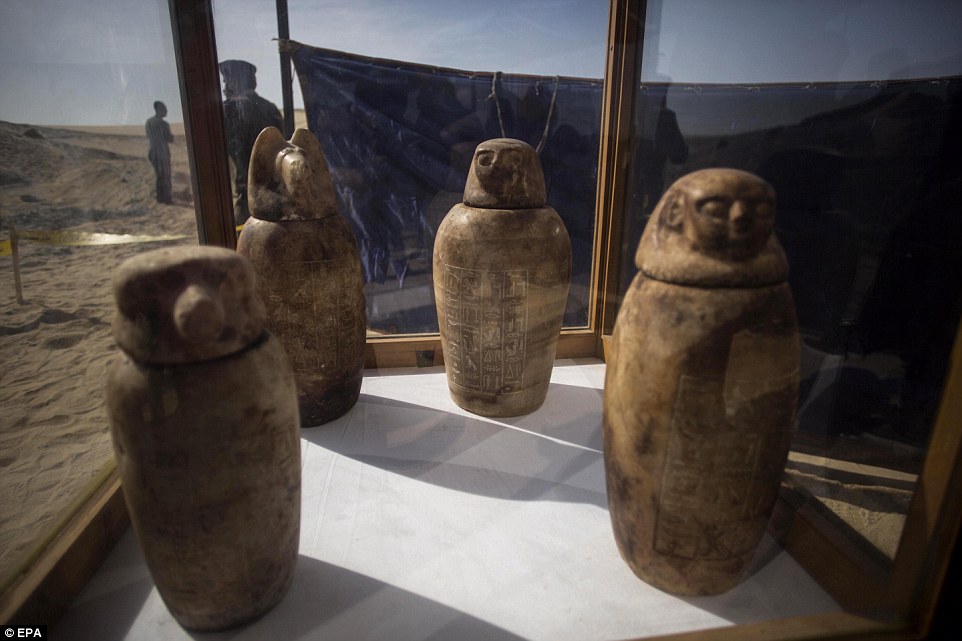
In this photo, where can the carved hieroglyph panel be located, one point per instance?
(312, 312)
(485, 322)
(725, 453)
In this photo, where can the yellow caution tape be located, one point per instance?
(83, 238)
(6, 248)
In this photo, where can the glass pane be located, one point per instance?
(853, 112)
(78, 194)
(400, 96)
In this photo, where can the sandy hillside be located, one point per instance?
(56, 345)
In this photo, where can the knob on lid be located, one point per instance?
(186, 304)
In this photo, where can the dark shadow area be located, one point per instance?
(124, 603)
(324, 602)
(739, 604)
(329, 602)
(570, 413)
(111, 614)
(869, 187)
(539, 460)
(399, 138)
(947, 620)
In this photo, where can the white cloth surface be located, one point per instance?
(423, 521)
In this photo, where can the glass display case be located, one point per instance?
(79, 193)
(853, 116)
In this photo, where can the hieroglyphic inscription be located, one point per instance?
(485, 319)
(721, 469)
(313, 315)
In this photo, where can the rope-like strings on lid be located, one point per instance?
(497, 103)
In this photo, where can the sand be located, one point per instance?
(56, 346)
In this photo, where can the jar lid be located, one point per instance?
(186, 304)
(714, 228)
(505, 174)
(289, 180)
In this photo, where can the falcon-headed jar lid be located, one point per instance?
(505, 174)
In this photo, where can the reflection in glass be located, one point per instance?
(78, 194)
(246, 114)
(398, 133)
(867, 173)
(399, 139)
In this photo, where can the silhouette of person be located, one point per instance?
(160, 137)
(246, 114)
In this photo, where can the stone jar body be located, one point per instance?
(699, 403)
(309, 277)
(209, 456)
(501, 281)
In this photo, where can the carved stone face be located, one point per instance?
(186, 304)
(714, 228)
(725, 214)
(732, 219)
(505, 174)
(499, 168)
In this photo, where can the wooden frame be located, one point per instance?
(625, 28)
(192, 25)
(76, 548)
(895, 604)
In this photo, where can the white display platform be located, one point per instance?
(423, 521)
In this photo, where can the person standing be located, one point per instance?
(160, 138)
(246, 114)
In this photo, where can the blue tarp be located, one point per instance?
(868, 177)
(399, 138)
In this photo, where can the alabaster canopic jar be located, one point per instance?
(502, 265)
(203, 417)
(701, 385)
(308, 271)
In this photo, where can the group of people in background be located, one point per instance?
(245, 115)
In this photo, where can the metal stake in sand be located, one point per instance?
(15, 254)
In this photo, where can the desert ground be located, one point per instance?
(55, 343)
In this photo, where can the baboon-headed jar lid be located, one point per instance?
(186, 304)
(505, 174)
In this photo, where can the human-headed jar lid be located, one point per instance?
(505, 174)
(186, 304)
(289, 180)
(714, 228)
